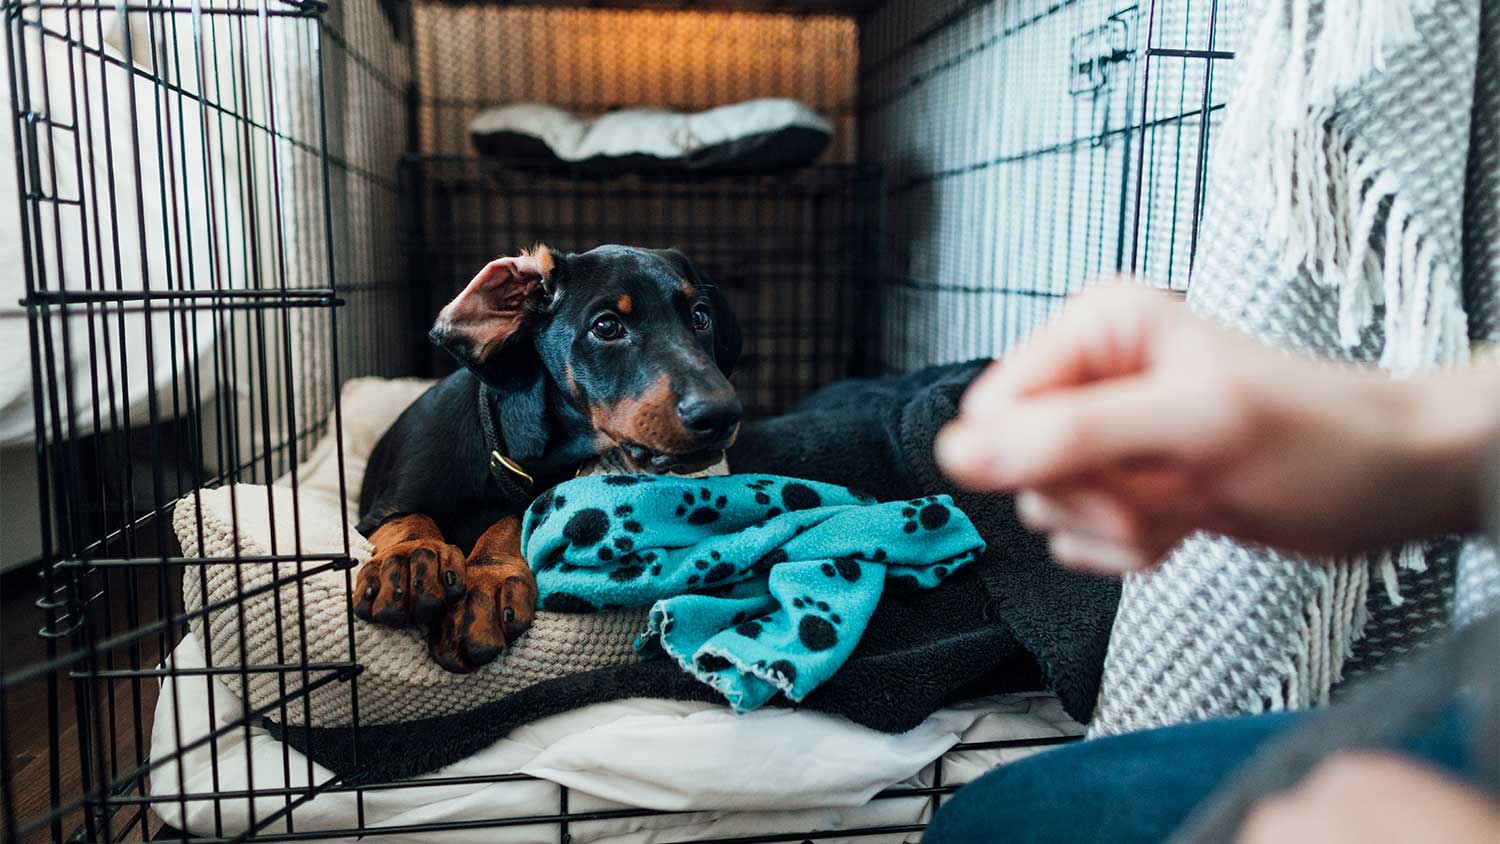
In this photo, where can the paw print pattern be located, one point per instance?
(762, 491)
(800, 497)
(586, 527)
(844, 567)
(753, 628)
(713, 569)
(816, 629)
(924, 513)
(591, 526)
(780, 669)
(711, 663)
(763, 566)
(702, 509)
(544, 502)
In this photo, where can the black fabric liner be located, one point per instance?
(775, 151)
(1015, 621)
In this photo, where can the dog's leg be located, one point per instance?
(413, 575)
(498, 608)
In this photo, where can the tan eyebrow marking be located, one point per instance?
(624, 304)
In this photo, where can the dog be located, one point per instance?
(564, 358)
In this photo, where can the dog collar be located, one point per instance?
(515, 483)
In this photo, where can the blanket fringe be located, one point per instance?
(1339, 213)
(1326, 193)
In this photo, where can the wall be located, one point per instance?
(1011, 180)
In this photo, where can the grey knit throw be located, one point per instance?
(1352, 215)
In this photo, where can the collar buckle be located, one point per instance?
(499, 461)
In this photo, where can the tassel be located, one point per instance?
(1324, 193)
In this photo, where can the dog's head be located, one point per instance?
(637, 340)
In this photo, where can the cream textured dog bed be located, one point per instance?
(399, 681)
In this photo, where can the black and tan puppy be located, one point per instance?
(578, 354)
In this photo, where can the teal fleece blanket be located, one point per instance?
(756, 583)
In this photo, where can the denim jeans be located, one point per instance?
(1131, 789)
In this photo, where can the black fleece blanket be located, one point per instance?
(1014, 621)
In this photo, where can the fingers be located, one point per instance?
(1095, 531)
(1051, 438)
(1100, 556)
(1099, 334)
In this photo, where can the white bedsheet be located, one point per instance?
(766, 772)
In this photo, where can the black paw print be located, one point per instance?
(817, 632)
(586, 527)
(702, 510)
(712, 663)
(781, 668)
(772, 558)
(927, 513)
(844, 567)
(589, 527)
(548, 500)
(760, 487)
(753, 628)
(713, 569)
(800, 497)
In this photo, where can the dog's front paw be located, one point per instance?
(495, 613)
(411, 582)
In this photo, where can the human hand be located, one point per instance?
(1129, 423)
(1373, 798)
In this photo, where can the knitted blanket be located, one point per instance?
(1352, 215)
(757, 584)
(1013, 620)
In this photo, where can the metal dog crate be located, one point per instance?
(227, 207)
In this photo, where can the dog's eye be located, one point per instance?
(608, 327)
(701, 318)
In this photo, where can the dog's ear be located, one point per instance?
(495, 310)
(728, 341)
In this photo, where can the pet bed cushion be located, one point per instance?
(399, 681)
(655, 754)
(756, 136)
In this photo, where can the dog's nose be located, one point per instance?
(709, 419)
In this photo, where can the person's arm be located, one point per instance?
(1129, 423)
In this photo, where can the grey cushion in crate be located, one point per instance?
(399, 681)
(756, 136)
